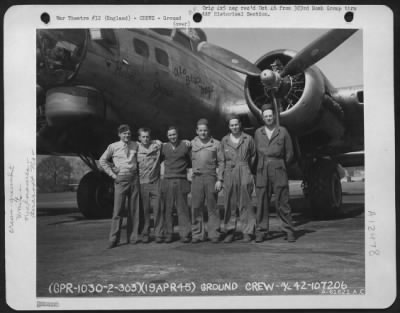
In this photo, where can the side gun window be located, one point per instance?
(162, 57)
(141, 47)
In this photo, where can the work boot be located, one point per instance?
(260, 237)
(215, 240)
(291, 237)
(185, 239)
(196, 240)
(146, 239)
(228, 238)
(112, 245)
(246, 238)
(168, 239)
(159, 240)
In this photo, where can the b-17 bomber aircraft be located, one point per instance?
(91, 80)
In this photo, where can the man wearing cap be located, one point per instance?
(274, 153)
(149, 154)
(175, 186)
(206, 158)
(277, 66)
(120, 162)
(239, 154)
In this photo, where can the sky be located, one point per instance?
(343, 66)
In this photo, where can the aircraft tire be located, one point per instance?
(94, 196)
(324, 190)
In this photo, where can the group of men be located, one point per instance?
(227, 164)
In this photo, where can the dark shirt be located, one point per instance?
(176, 160)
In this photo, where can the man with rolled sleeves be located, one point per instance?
(149, 154)
(206, 158)
(239, 154)
(274, 153)
(120, 162)
(175, 186)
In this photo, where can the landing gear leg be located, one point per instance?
(323, 189)
(95, 193)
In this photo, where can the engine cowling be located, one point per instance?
(300, 96)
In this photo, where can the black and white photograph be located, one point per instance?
(181, 162)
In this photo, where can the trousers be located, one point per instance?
(174, 193)
(151, 198)
(126, 188)
(238, 188)
(276, 182)
(203, 191)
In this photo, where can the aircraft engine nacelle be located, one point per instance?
(73, 104)
(299, 96)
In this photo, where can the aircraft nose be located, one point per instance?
(59, 53)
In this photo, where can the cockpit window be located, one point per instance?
(183, 40)
(141, 47)
(162, 31)
(162, 57)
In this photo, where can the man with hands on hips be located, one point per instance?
(119, 161)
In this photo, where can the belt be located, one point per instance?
(267, 158)
(133, 174)
(153, 182)
(204, 173)
(236, 164)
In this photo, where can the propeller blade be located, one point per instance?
(275, 101)
(317, 50)
(228, 59)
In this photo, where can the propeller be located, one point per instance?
(317, 50)
(272, 80)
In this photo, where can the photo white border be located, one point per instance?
(20, 24)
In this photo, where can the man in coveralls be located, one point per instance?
(206, 158)
(274, 152)
(124, 171)
(175, 186)
(149, 154)
(239, 152)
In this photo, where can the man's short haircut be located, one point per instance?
(202, 121)
(123, 128)
(144, 130)
(233, 117)
(172, 127)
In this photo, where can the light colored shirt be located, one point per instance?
(269, 132)
(120, 159)
(207, 157)
(149, 162)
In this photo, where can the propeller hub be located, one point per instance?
(270, 79)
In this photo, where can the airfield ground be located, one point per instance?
(71, 253)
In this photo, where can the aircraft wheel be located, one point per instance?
(95, 195)
(324, 190)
